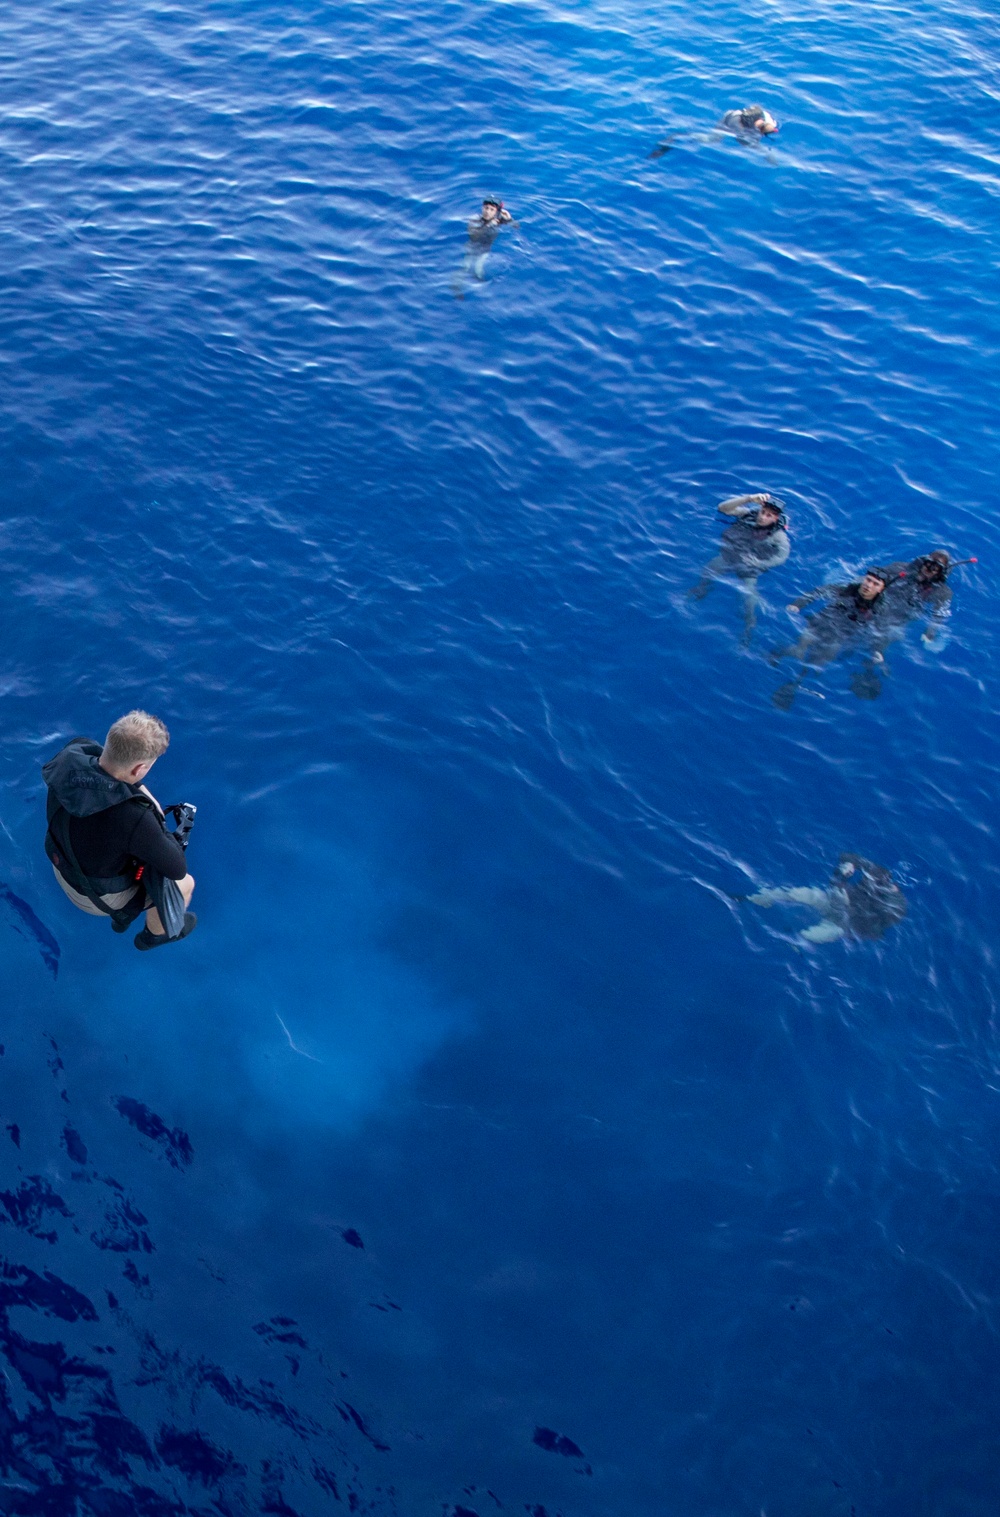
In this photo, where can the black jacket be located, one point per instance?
(112, 825)
(103, 833)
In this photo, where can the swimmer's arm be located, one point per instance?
(811, 595)
(739, 505)
(152, 844)
(938, 617)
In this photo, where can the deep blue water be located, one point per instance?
(475, 1107)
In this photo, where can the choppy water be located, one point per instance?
(478, 1153)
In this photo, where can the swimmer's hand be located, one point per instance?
(929, 635)
(878, 658)
(793, 608)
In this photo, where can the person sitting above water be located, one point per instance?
(483, 230)
(854, 613)
(750, 123)
(107, 838)
(757, 541)
(862, 900)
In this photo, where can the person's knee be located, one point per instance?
(186, 887)
(823, 932)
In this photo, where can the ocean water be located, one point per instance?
(479, 1153)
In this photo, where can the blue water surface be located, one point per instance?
(479, 1153)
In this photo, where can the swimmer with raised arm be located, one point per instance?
(483, 231)
(757, 542)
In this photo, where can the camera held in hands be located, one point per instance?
(183, 814)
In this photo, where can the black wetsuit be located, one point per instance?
(483, 234)
(846, 617)
(874, 901)
(910, 597)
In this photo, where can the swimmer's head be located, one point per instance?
(492, 208)
(872, 583)
(933, 568)
(757, 119)
(770, 514)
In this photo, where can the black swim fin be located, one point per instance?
(664, 146)
(866, 684)
(785, 695)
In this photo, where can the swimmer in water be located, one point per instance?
(924, 591)
(757, 541)
(855, 614)
(750, 124)
(862, 900)
(483, 231)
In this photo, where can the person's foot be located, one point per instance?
(700, 590)
(145, 940)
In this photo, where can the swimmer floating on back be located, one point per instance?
(483, 230)
(749, 123)
(862, 900)
(857, 614)
(757, 541)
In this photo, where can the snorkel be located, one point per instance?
(934, 568)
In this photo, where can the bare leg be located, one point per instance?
(792, 895)
(823, 932)
(153, 923)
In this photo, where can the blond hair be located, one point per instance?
(136, 738)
